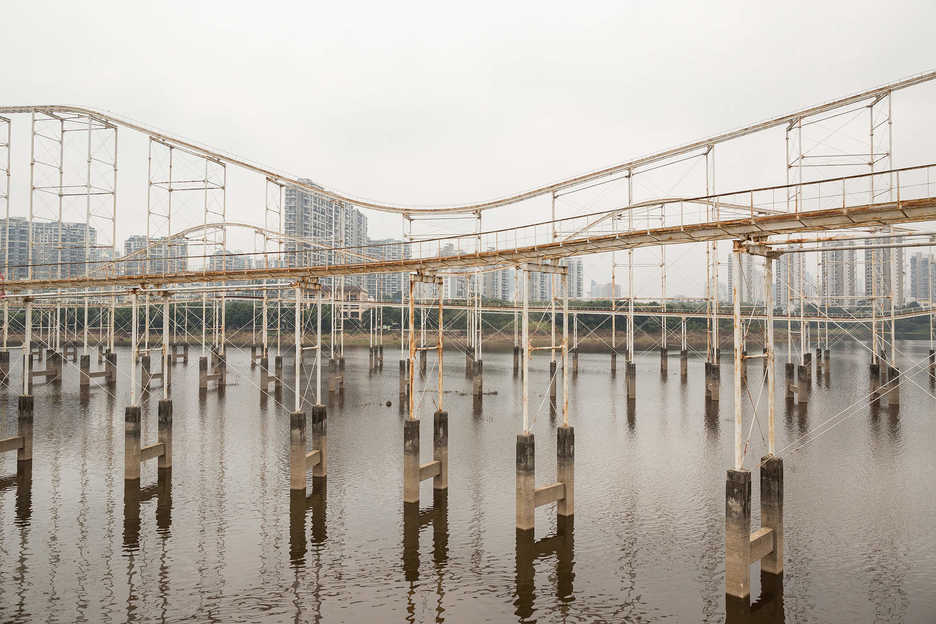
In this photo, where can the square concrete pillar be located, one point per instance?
(684, 363)
(552, 384)
(893, 387)
(422, 363)
(164, 429)
(132, 443)
(613, 363)
(145, 376)
(84, 368)
(803, 384)
(411, 461)
(24, 428)
(59, 364)
(4, 367)
(297, 451)
(440, 449)
(565, 469)
(477, 380)
(630, 380)
(664, 360)
(575, 363)
(320, 441)
(526, 482)
(713, 383)
(771, 487)
(203, 373)
(264, 373)
(516, 360)
(110, 365)
(404, 381)
(278, 373)
(738, 533)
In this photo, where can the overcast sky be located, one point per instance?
(432, 103)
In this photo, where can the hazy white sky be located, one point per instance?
(429, 103)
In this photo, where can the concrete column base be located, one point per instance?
(803, 384)
(440, 450)
(630, 380)
(664, 360)
(145, 373)
(132, 443)
(4, 367)
(297, 451)
(552, 384)
(24, 429)
(477, 380)
(516, 360)
(526, 482)
(320, 441)
(264, 374)
(84, 370)
(738, 534)
(893, 387)
(110, 365)
(411, 461)
(575, 363)
(684, 363)
(613, 363)
(164, 427)
(404, 378)
(565, 469)
(202, 373)
(771, 493)
(713, 382)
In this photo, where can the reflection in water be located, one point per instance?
(134, 497)
(414, 520)
(651, 549)
(299, 506)
(23, 481)
(528, 550)
(768, 609)
(802, 417)
(711, 418)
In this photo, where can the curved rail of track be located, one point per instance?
(476, 207)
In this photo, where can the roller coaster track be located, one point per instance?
(58, 110)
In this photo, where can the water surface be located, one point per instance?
(226, 542)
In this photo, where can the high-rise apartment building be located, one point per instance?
(229, 261)
(499, 284)
(56, 250)
(164, 255)
(387, 286)
(336, 231)
(839, 274)
(922, 276)
(878, 270)
(752, 280)
(789, 275)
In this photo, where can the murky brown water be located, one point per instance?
(227, 543)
